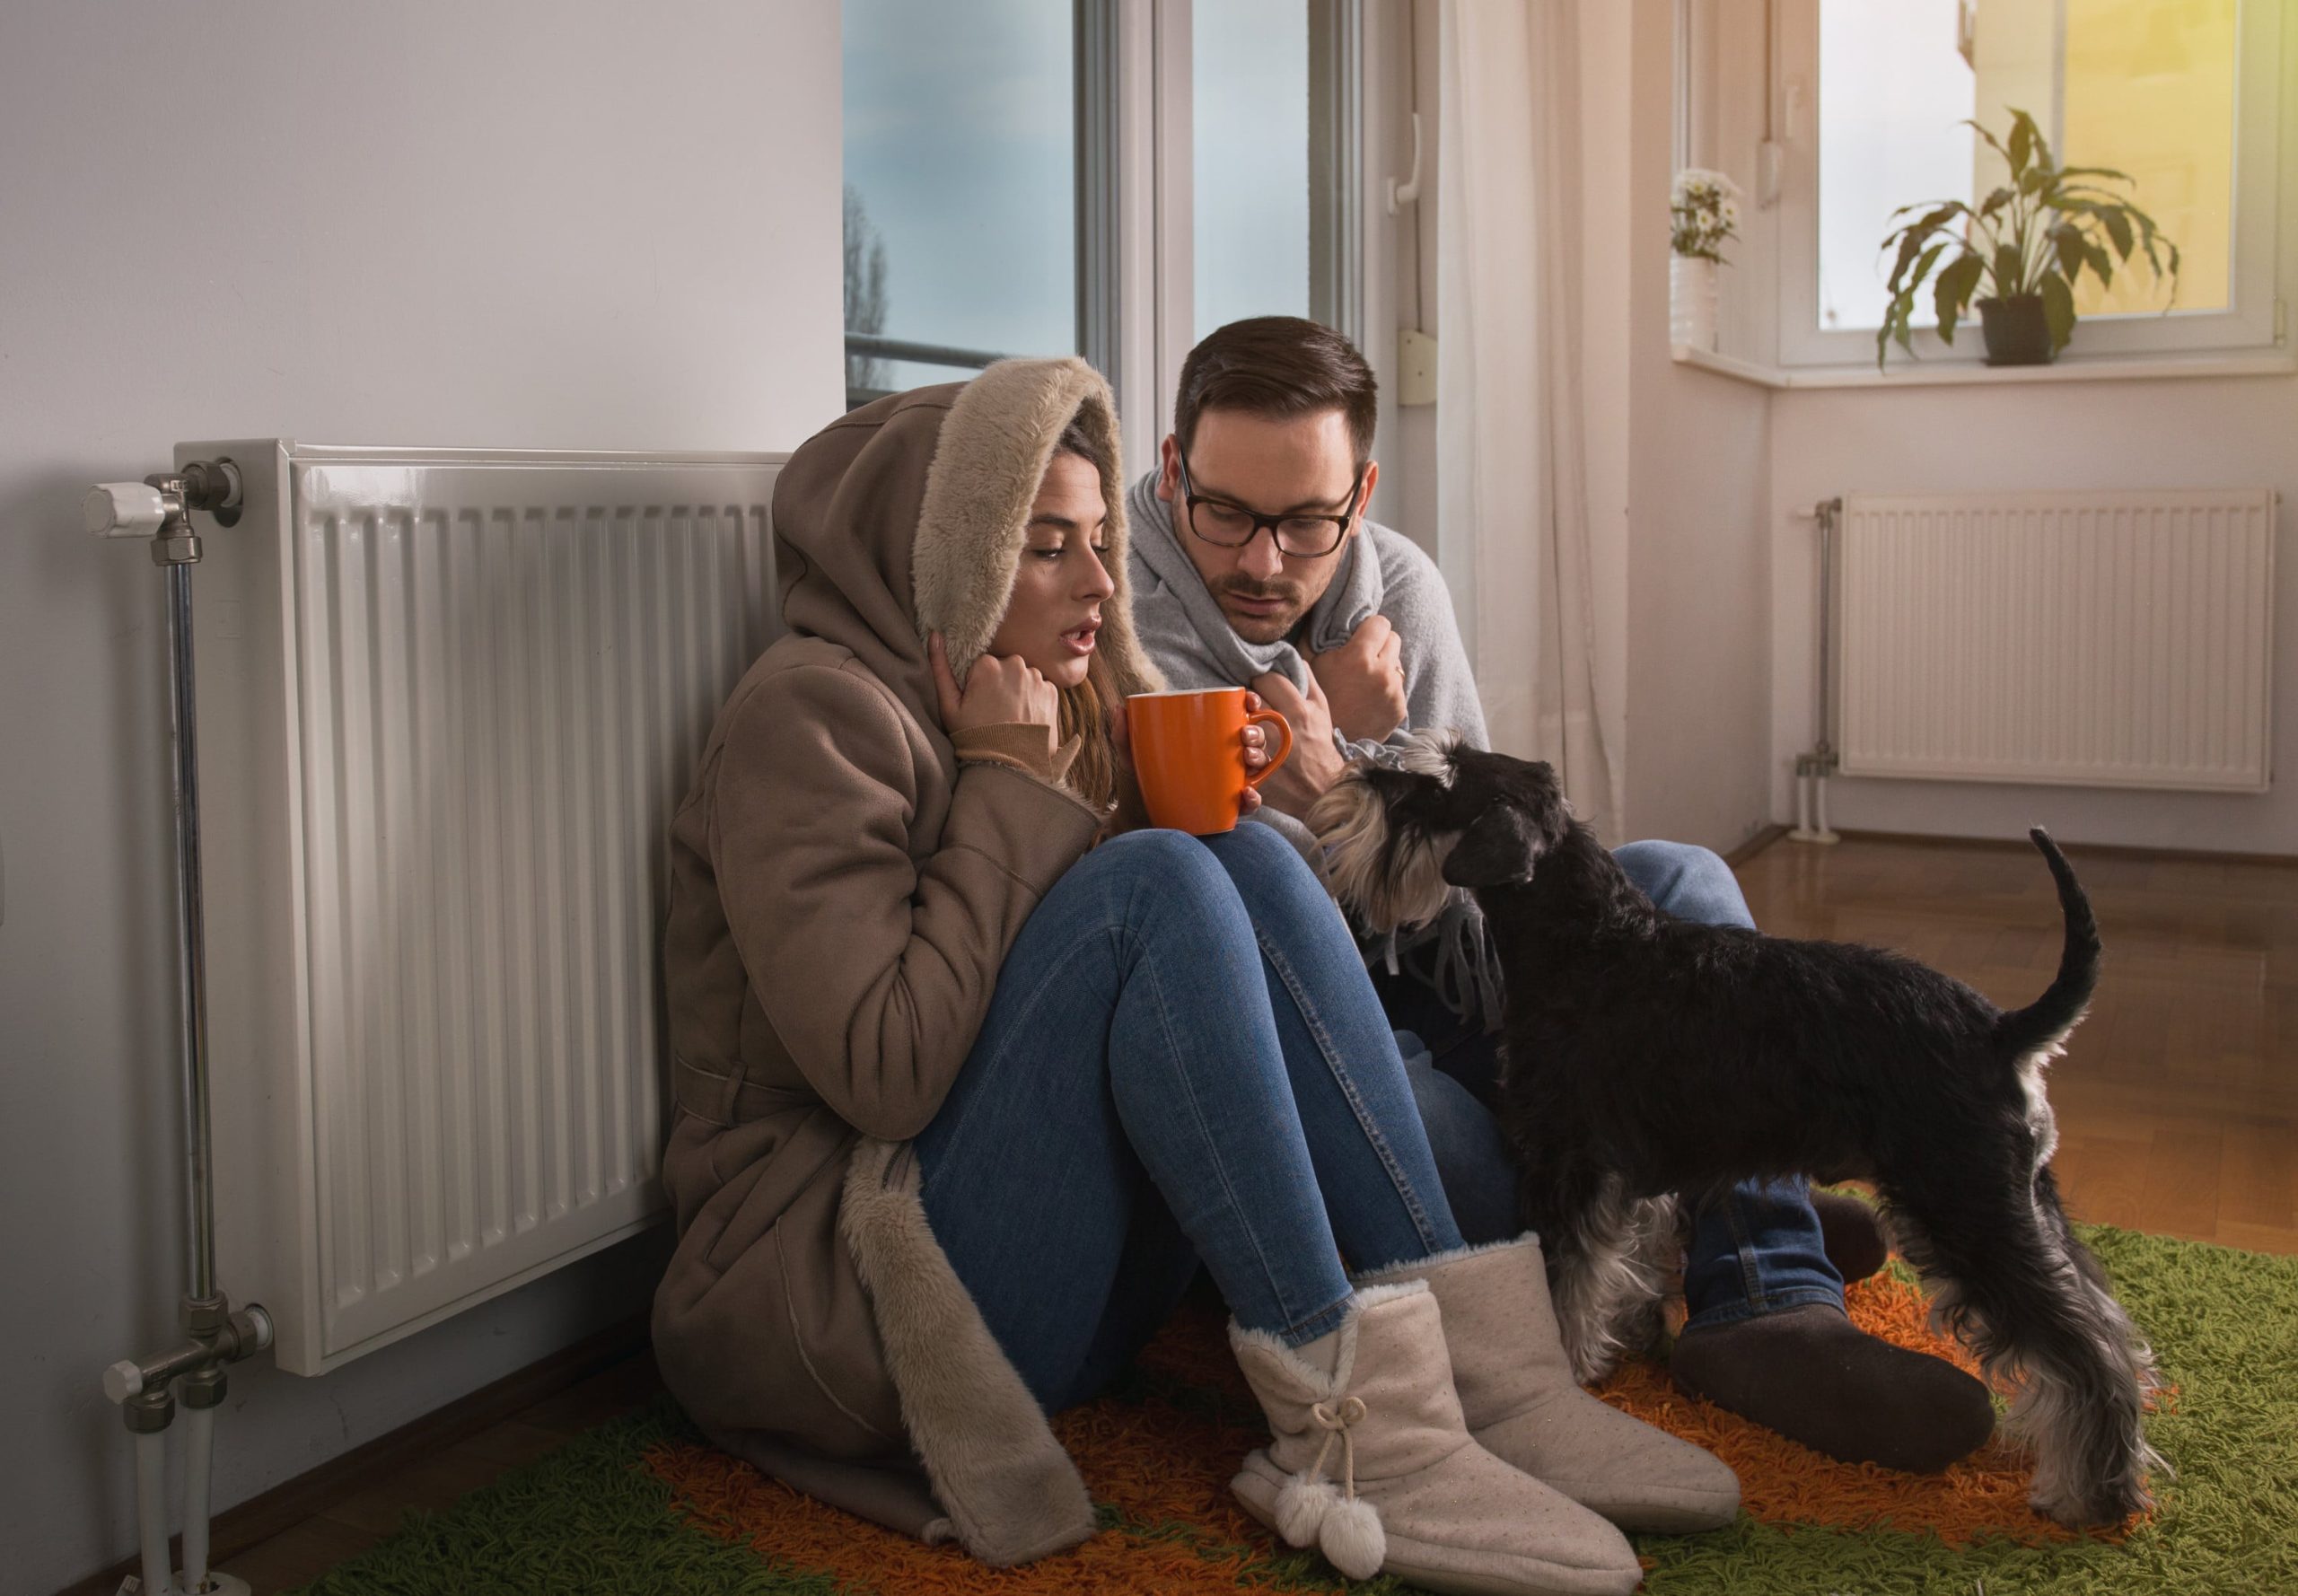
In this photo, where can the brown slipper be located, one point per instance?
(1815, 1377)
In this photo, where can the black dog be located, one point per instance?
(1648, 1056)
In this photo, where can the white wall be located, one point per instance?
(529, 224)
(2236, 432)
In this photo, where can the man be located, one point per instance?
(1253, 564)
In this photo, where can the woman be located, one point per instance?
(969, 1076)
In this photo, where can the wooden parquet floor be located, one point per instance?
(2178, 1097)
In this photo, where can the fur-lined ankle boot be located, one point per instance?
(1374, 1464)
(1523, 1407)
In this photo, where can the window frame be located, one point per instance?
(2247, 323)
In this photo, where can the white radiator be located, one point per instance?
(447, 701)
(2091, 639)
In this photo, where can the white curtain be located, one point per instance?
(1512, 535)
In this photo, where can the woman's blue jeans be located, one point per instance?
(1756, 1250)
(1182, 1061)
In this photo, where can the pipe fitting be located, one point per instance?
(204, 1388)
(179, 550)
(206, 1317)
(213, 486)
(240, 1336)
(147, 1413)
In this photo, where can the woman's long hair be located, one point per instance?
(1084, 710)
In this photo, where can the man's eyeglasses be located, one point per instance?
(1233, 526)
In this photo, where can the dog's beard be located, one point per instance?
(1388, 884)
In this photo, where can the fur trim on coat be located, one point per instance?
(1011, 1491)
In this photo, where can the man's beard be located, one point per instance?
(1271, 627)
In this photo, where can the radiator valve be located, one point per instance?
(159, 507)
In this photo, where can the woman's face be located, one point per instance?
(1055, 613)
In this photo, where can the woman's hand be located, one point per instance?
(1000, 690)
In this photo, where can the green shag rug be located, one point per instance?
(641, 1506)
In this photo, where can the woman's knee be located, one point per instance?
(1148, 874)
(1162, 856)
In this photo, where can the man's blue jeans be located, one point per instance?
(1183, 1060)
(1756, 1251)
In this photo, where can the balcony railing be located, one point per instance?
(869, 346)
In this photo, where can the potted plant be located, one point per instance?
(2026, 243)
(1705, 208)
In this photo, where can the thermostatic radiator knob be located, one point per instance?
(123, 510)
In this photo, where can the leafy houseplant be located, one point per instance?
(2027, 242)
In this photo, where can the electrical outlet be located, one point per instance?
(1416, 367)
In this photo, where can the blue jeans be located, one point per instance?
(1755, 1250)
(1183, 1060)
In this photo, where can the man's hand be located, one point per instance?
(1364, 681)
(1000, 690)
(1316, 763)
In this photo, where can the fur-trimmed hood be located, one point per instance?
(908, 517)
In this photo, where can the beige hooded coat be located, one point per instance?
(844, 887)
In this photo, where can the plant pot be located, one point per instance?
(2017, 334)
(1691, 301)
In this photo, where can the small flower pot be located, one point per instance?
(2017, 333)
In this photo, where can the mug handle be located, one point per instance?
(1266, 718)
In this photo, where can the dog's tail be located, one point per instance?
(2042, 1022)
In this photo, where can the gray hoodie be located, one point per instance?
(1180, 625)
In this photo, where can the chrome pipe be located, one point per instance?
(1830, 513)
(191, 943)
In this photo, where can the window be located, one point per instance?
(1894, 92)
(1271, 106)
(2178, 94)
(962, 160)
(1049, 177)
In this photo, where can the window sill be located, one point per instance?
(1902, 373)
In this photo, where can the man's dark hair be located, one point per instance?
(1278, 367)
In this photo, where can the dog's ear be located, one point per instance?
(1497, 850)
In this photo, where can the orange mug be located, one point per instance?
(1188, 750)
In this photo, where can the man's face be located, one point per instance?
(1305, 466)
